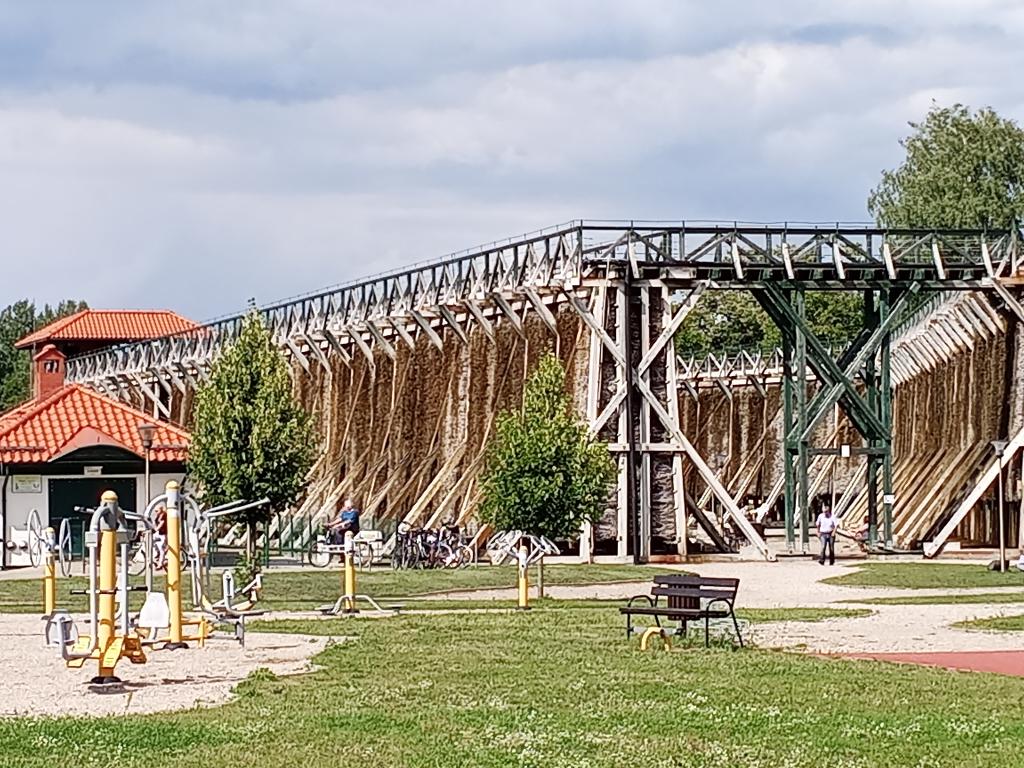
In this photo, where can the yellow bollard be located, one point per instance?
(349, 600)
(524, 580)
(50, 577)
(652, 632)
(175, 637)
(108, 586)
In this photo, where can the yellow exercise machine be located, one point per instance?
(50, 548)
(227, 610)
(107, 532)
(346, 604)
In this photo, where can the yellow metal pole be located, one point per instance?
(50, 577)
(524, 580)
(175, 638)
(108, 586)
(349, 601)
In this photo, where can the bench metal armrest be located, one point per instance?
(653, 602)
(714, 600)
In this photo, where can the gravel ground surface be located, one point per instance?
(35, 681)
(796, 583)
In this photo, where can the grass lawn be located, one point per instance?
(998, 623)
(557, 686)
(981, 598)
(305, 590)
(754, 615)
(927, 576)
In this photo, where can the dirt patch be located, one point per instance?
(35, 681)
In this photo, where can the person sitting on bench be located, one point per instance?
(347, 520)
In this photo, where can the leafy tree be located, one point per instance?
(960, 170)
(543, 473)
(733, 321)
(251, 438)
(17, 321)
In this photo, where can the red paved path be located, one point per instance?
(999, 662)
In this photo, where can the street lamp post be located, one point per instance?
(1000, 447)
(146, 434)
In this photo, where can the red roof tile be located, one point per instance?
(110, 325)
(42, 430)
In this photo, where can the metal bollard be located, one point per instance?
(50, 575)
(175, 634)
(349, 600)
(524, 580)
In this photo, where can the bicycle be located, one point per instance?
(322, 550)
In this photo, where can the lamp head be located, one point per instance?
(147, 432)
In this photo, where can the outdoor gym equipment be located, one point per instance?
(51, 548)
(198, 534)
(524, 550)
(346, 604)
(107, 532)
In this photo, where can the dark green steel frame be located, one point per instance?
(867, 404)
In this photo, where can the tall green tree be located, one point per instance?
(251, 438)
(960, 170)
(17, 321)
(733, 321)
(544, 474)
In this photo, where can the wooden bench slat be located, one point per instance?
(709, 581)
(647, 610)
(694, 593)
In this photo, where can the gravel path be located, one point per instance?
(35, 681)
(797, 583)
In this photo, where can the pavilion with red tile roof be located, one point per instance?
(68, 444)
(96, 328)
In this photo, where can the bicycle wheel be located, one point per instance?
(64, 547)
(137, 563)
(364, 555)
(319, 554)
(397, 555)
(465, 554)
(444, 556)
(36, 543)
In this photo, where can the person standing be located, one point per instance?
(827, 524)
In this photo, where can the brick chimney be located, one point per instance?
(47, 372)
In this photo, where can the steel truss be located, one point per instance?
(621, 279)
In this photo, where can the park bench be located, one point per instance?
(684, 599)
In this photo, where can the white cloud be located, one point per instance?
(193, 155)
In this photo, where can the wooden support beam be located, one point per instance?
(399, 325)
(336, 345)
(508, 312)
(481, 319)
(424, 325)
(541, 309)
(449, 318)
(296, 353)
(378, 337)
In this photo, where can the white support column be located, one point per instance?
(593, 403)
(645, 430)
(672, 393)
(622, 524)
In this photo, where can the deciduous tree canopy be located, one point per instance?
(251, 438)
(544, 475)
(17, 321)
(960, 170)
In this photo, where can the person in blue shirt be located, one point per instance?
(347, 520)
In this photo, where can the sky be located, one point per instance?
(193, 155)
